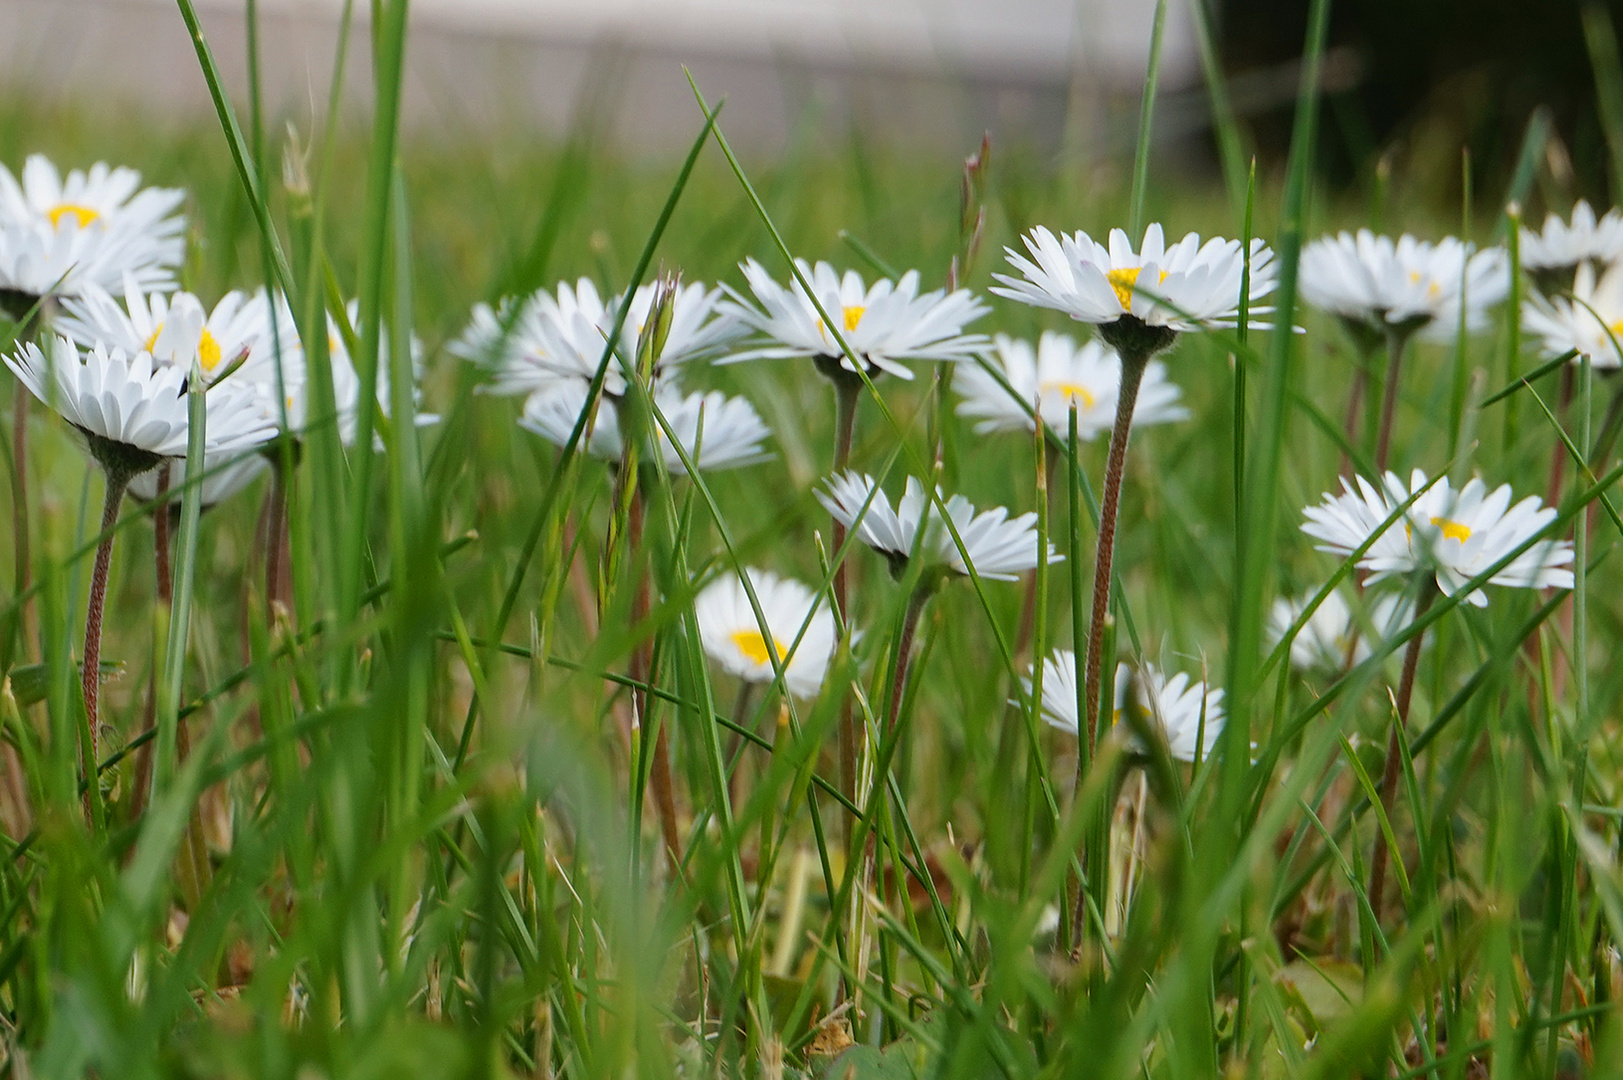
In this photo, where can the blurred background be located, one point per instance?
(1060, 77)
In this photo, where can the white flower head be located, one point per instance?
(1187, 286)
(1378, 284)
(175, 329)
(1455, 535)
(715, 431)
(1563, 247)
(998, 546)
(883, 324)
(1334, 633)
(1054, 377)
(132, 411)
(1187, 713)
(1589, 321)
(101, 225)
(732, 636)
(529, 344)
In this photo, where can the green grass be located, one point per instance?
(408, 839)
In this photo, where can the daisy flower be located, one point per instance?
(1054, 377)
(1188, 286)
(132, 411)
(1334, 632)
(998, 546)
(1560, 248)
(1188, 714)
(174, 329)
(110, 225)
(1590, 321)
(1454, 535)
(133, 414)
(1379, 286)
(732, 636)
(715, 431)
(884, 324)
(525, 345)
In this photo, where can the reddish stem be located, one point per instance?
(91, 673)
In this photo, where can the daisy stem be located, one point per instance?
(904, 654)
(276, 540)
(117, 481)
(1396, 339)
(1394, 758)
(847, 392)
(1355, 406)
(1132, 374)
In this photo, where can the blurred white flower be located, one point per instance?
(1334, 634)
(714, 430)
(1188, 286)
(527, 344)
(1053, 377)
(1455, 535)
(1590, 321)
(58, 234)
(1562, 247)
(1379, 284)
(1188, 713)
(131, 411)
(884, 324)
(998, 546)
(224, 475)
(732, 635)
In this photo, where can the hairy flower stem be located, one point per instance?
(1396, 339)
(1394, 760)
(277, 540)
(1132, 374)
(1355, 408)
(661, 777)
(117, 481)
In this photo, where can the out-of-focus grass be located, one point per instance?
(374, 911)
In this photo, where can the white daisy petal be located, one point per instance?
(732, 635)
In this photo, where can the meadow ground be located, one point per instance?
(400, 812)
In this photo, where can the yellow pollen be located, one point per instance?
(84, 215)
(1617, 328)
(1124, 281)
(853, 315)
(208, 349)
(1453, 530)
(753, 646)
(1075, 391)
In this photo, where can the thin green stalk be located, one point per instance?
(191, 509)
(1146, 114)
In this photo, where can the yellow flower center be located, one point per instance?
(753, 645)
(1617, 329)
(1125, 281)
(84, 215)
(853, 314)
(208, 349)
(1075, 391)
(1453, 530)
